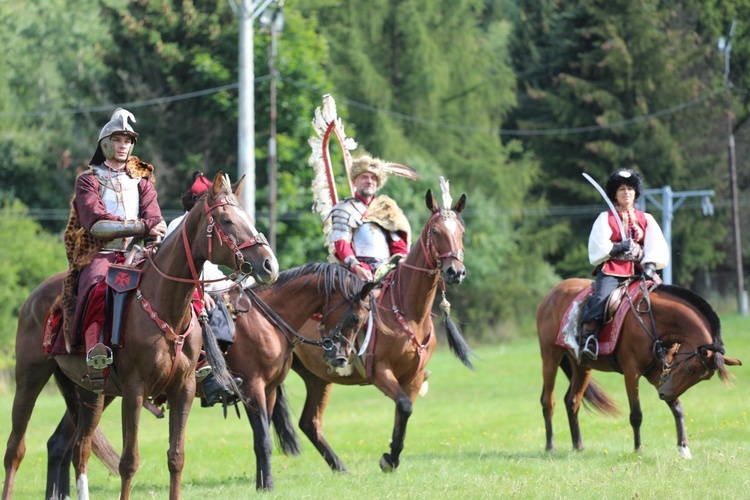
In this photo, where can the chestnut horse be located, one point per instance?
(162, 339)
(397, 355)
(266, 321)
(671, 336)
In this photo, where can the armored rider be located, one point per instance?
(618, 257)
(369, 230)
(114, 203)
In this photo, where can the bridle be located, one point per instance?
(242, 267)
(292, 336)
(659, 350)
(432, 255)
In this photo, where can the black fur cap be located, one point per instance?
(623, 176)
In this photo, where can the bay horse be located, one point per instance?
(398, 353)
(671, 336)
(266, 324)
(162, 339)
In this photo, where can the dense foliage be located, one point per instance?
(511, 101)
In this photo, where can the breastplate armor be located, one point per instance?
(369, 241)
(120, 195)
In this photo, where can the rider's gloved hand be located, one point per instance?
(620, 247)
(649, 269)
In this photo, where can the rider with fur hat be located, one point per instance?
(367, 229)
(617, 257)
(114, 202)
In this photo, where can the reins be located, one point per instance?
(658, 348)
(244, 268)
(325, 343)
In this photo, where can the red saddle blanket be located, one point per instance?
(610, 332)
(54, 343)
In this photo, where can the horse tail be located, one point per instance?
(457, 343)
(100, 445)
(594, 397)
(219, 367)
(285, 432)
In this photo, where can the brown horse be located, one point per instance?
(670, 335)
(267, 320)
(162, 339)
(397, 355)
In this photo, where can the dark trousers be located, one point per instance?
(604, 285)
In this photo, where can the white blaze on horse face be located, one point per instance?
(244, 216)
(451, 224)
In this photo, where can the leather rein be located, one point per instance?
(658, 348)
(243, 268)
(434, 258)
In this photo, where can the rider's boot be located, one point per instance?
(590, 345)
(98, 358)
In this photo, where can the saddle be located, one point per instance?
(615, 312)
(121, 281)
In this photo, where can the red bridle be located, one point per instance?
(431, 254)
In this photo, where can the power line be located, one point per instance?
(369, 107)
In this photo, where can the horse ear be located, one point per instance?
(460, 204)
(732, 361)
(669, 356)
(431, 203)
(218, 180)
(367, 289)
(238, 187)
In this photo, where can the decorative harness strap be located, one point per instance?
(179, 340)
(433, 259)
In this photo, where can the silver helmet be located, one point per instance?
(118, 124)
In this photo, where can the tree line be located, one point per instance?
(510, 100)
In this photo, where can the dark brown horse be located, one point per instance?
(267, 319)
(160, 348)
(266, 335)
(396, 356)
(670, 335)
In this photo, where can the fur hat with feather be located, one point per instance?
(381, 169)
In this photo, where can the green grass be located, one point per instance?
(476, 435)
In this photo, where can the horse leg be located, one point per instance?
(387, 383)
(59, 458)
(179, 409)
(131, 414)
(550, 364)
(30, 380)
(89, 411)
(311, 420)
(573, 399)
(636, 415)
(262, 440)
(679, 419)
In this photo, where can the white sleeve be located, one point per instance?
(173, 225)
(212, 272)
(655, 248)
(600, 240)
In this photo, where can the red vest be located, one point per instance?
(622, 268)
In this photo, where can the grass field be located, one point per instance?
(476, 435)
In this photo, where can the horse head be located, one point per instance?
(343, 319)
(442, 239)
(231, 238)
(695, 349)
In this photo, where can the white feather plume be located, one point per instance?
(325, 115)
(445, 187)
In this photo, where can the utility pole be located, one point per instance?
(670, 202)
(273, 19)
(246, 13)
(725, 47)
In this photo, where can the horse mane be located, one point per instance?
(337, 278)
(699, 303)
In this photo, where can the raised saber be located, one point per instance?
(609, 204)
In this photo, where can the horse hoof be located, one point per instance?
(385, 463)
(685, 452)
